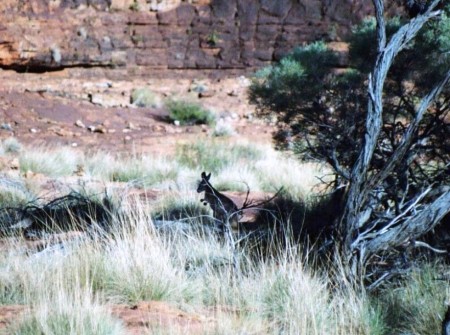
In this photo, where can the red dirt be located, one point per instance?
(42, 109)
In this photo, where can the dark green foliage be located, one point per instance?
(321, 111)
(188, 113)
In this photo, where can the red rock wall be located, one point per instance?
(38, 35)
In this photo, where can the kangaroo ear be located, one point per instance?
(208, 176)
(203, 175)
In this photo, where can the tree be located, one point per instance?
(382, 125)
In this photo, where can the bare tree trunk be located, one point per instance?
(359, 245)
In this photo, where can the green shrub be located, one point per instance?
(144, 97)
(189, 113)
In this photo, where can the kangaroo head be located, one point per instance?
(203, 185)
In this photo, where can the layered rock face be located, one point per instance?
(40, 35)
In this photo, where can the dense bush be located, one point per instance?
(321, 110)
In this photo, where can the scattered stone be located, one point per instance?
(131, 126)
(63, 132)
(207, 94)
(100, 129)
(6, 126)
(33, 130)
(91, 128)
(106, 123)
(8, 163)
(80, 124)
(176, 123)
(233, 93)
(14, 164)
(126, 130)
(159, 128)
(127, 138)
(106, 84)
(108, 100)
(248, 116)
(244, 81)
(74, 144)
(111, 131)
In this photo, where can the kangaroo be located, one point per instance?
(224, 209)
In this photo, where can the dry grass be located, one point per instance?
(67, 286)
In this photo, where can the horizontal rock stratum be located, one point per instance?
(42, 35)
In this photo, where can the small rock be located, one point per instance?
(233, 93)
(106, 84)
(159, 128)
(131, 126)
(127, 138)
(6, 126)
(207, 94)
(80, 124)
(33, 130)
(126, 130)
(100, 129)
(176, 122)
(14, 164)
(63, 132)
(74, 144)
(91, 128)
(111, 131)
(234, 116)
(244, 81)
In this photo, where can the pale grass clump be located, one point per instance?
(64, 311)
(299, 180)
(138, 170)
(11, 272)
(215, 156)
(51, 162)
(237, 177)
(14, 192)
(416, 305)
(137, 266)
(10, 145)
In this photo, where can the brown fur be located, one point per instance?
(224, 209)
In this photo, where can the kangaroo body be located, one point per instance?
(224, 209)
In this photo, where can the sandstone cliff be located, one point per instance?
(41, 35)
